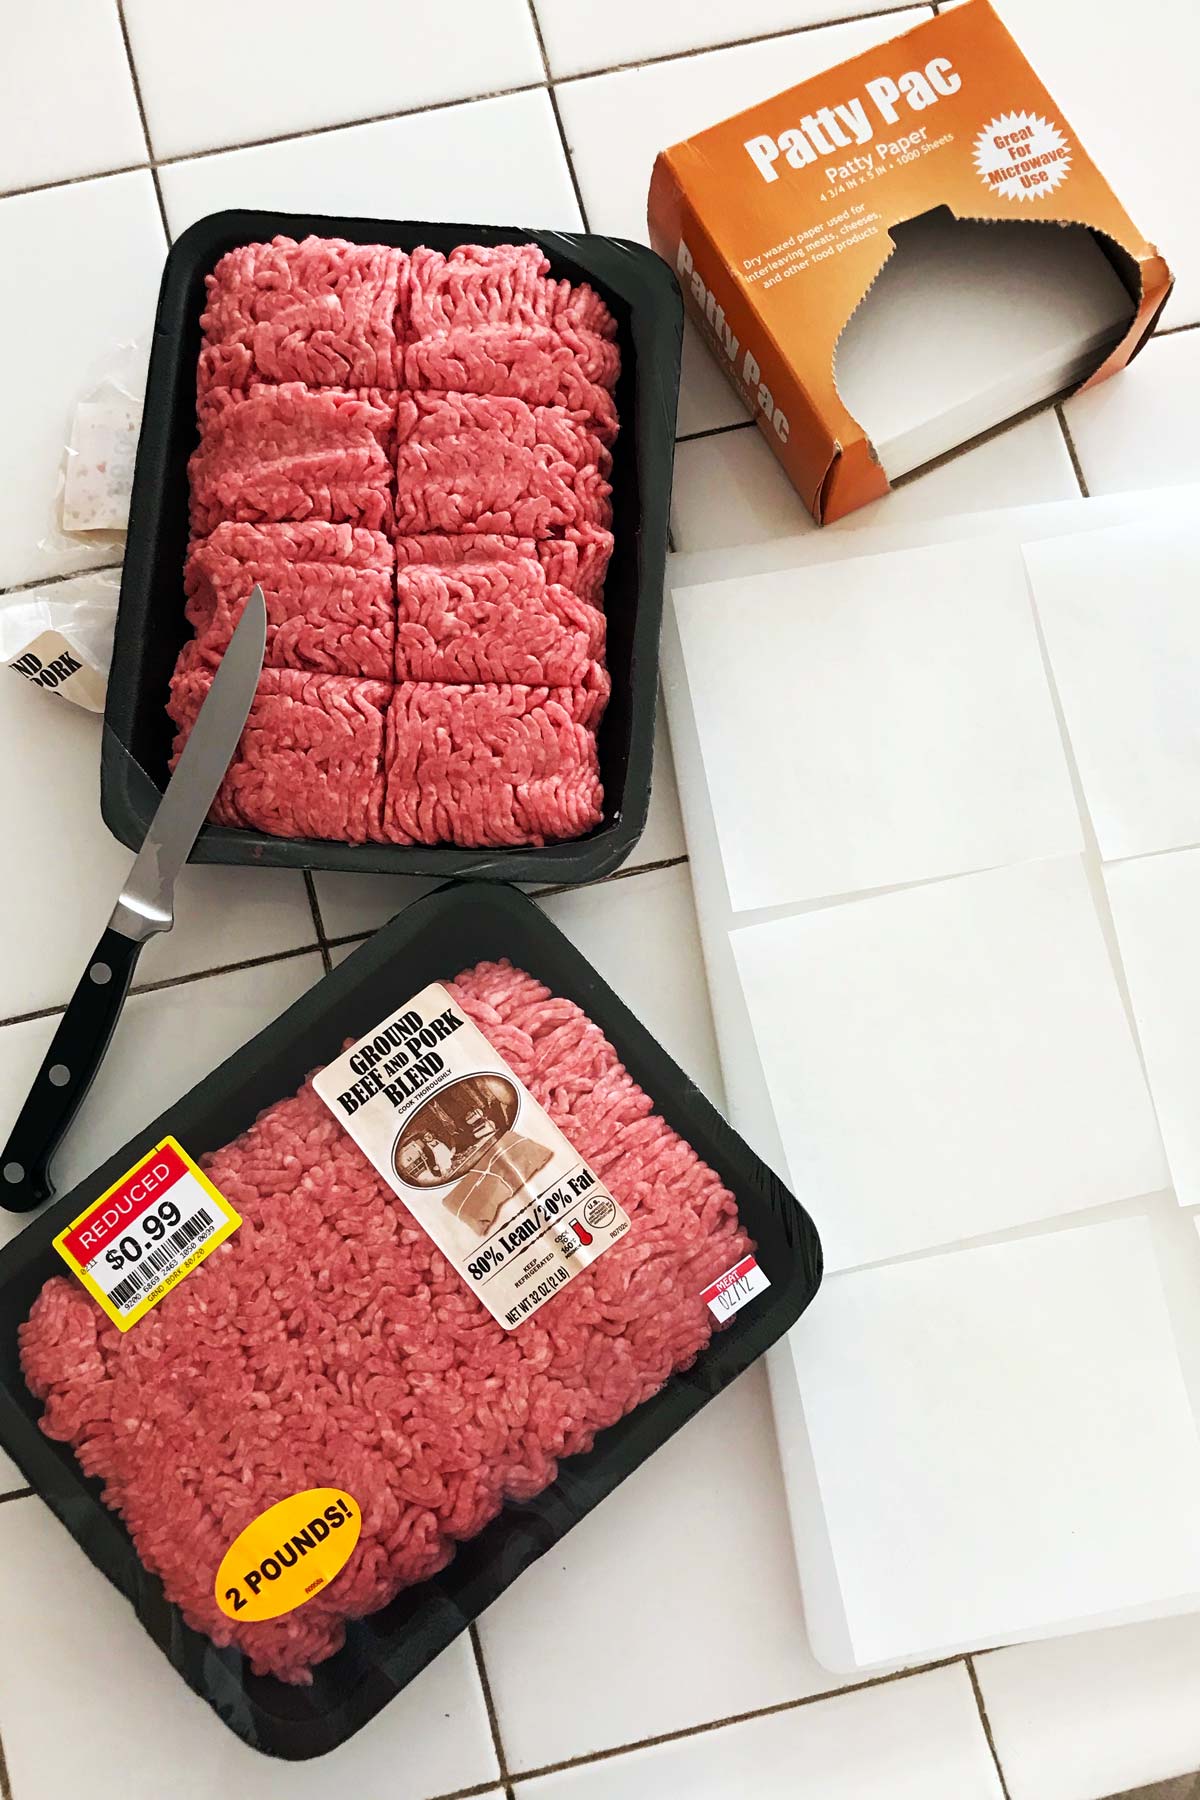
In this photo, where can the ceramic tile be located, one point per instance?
(1130, 126)
(616, 124)
(352, 905)
(71, 870)
(640, 933)
(1139, 429)
(1079, 1717)
(581, 35)
(916, 1739)
(489, 162)
(65, 60)
(645, 1624)
(407, 57)
(165, 1042)
(729, 489)
(102, 239)
(432, 1739)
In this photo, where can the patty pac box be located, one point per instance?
(780, 220)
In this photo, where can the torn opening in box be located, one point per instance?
(970, 322)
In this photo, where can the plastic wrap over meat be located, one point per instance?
(328, 1343)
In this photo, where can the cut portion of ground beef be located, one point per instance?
(328, 590)
(491, 765)
(328, 1343)
(323, 311)
(283, 453)
(575, 370)
(495, 621)
(500, 284)
(578, 560)
(492, 463)
(310, 760)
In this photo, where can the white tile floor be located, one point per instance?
(677, 1603)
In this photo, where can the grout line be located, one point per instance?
(478, 1787)
(693, 437)
(1072, 452)
(25, 1493)
(291, 137)
(761, 37)
(1174, 330)
(558, 119)
(758, 1712)
(987, 1725)
(6, 1792)
(488, 1701)
(30, 587)
(137, 94)
(574, 887)
(173, 981)
(322, 941)
(44, 187)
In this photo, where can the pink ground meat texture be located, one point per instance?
(328, 1343)
(578, 560)
(488, 766)
(504, 284)
(310, 761)
(289, 453)
(495, 621)
(328, 590)
(491, 463)
(325, 312)
(575, 370)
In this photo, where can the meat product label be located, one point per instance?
(288, 1554)
(150, 1229)
(481, 1167)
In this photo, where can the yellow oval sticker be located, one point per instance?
(288, 1555)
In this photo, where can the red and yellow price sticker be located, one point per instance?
(146, 1232)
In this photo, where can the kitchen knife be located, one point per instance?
(146, 906)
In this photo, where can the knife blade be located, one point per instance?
(145, 907)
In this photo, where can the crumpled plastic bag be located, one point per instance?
(60, 637)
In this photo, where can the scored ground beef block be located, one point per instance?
(310, 760)
(578, 560)
(495, 621)
(491, 463)
(289, 452)
(575, 370)
(328, 1343)
(492, 765)
(500, 284)
(328, 590)
(323, 311)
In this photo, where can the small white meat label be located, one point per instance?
(732, 1290)
(512, 1206)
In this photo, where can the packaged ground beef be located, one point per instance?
(329, 1343)
(367, 414)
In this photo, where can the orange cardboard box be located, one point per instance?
(777, 221)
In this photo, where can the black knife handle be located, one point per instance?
(67, 1072)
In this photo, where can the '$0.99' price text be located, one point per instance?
(152, 1226)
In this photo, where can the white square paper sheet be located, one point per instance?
(949, 1061)
(874, 722)
(1121, 614)
(1003, 1440)
(1156, 907)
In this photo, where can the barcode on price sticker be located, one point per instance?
(149, 1230)
(731, 1291)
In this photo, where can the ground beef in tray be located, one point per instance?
(492, 463)
(578, 560)
(492, 765)
(310, 760)
(495, 621)
(328, 590)
(290, 452)
(346, 390)
(328, 1343)
(325, 312)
